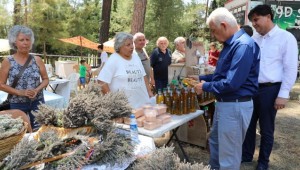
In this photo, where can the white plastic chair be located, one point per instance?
(74, 77)
(95, 74)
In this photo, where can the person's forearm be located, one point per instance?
(43, 85)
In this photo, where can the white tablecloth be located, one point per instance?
(51, 99)
(62, 87)
(64, 68)
(177, 120)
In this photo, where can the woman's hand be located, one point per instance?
(30, 93)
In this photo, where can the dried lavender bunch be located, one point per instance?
(21, 155)
(162, 158)
(47, 115)
(189, 166)
(93, 88)
(76, 113)
(10, 126)
(74, 161)
(115, 148)
(117, 103)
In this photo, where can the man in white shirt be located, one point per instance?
(103, 55)
(139, 40)
(277, 75)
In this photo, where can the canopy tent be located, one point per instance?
(108, 46)
(82, 42)
(4, 45)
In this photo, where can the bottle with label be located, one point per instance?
(134, 135)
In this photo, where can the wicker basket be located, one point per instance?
(65, 132)
(7, 144)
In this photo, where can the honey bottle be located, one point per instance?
(193, 98)
(167, 101)
(185, 101)
(159, 98)
(180, 108)
(174, 103)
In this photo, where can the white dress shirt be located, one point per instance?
(279, 59)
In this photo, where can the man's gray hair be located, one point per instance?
(178, 40)
(137, 35)
(15, 31)
(120, 39)
(221, 15)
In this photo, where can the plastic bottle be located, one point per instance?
(134, 130)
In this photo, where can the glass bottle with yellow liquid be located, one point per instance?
(193, 100)
(159, 98)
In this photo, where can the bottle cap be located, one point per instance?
(132, 116)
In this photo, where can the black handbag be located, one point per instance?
(6, 105)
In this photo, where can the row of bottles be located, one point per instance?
(205, 96)
(178, 101)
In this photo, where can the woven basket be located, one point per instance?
(7, 144)
(65, 132)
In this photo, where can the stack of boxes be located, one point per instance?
(149, 116)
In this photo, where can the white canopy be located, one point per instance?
(4, 46)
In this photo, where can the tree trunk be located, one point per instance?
(17, 14)
(105, 21)
(26, 12)
(138, 17)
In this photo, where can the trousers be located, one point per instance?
(230, 124)
(265, 113)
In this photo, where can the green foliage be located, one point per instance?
(5, 19)
(164, 19)
(55, 19)
(121, 17)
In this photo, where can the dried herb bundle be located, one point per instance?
(9, 126)
(162, 158)
(165, 159)
(21, 155)
(114, 149)
(89, 107)
(46, 115)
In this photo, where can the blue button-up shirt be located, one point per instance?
(236, 74)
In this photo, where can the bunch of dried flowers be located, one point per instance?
(89, 108)
(10, 126)
(165, 159)
(114, 149)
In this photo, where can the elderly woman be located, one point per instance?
(124, 71)
(28, 93)
(178, 56)
(160, 60)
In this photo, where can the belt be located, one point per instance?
(268, 84)
(241, 99)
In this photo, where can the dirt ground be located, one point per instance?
(286, 149)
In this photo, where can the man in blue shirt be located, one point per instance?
(234, 83)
